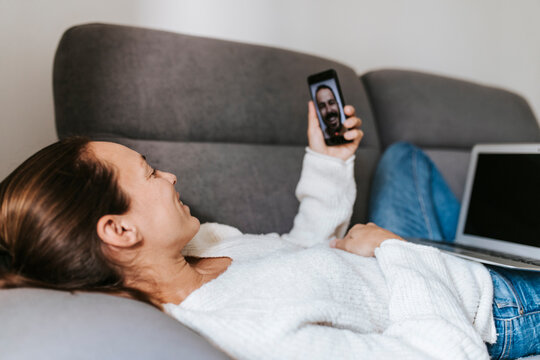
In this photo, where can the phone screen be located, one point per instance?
(326, 95)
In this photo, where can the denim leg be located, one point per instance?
(516, 309)
(410, 197)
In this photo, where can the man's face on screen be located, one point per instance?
(329, 109)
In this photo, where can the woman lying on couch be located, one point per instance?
(94, 216)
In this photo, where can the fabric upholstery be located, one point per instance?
(155, 85)
(228, 118)
(453, 165)
(247, 186)
(435, 111)
(55, 325)
(250, 187)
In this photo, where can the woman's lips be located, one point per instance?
(181, 203)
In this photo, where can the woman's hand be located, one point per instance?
(316, 138)
(363, 239)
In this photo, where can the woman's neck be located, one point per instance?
(173, 280)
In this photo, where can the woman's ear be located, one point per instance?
(116, 231)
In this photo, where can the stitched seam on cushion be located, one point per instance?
(422, 205)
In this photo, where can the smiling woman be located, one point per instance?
(95, 216)
(151, 234)
(101, 239)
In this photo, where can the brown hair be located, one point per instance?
(49, 209)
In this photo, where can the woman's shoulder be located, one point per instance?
(211, 233)
(217, 240)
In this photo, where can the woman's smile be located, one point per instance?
(150, 191)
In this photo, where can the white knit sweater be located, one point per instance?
(293, 297)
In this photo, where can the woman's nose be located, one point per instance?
(169, 177)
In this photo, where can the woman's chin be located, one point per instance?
(196, 225)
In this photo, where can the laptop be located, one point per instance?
(499, 221)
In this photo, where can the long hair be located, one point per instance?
(49, 209)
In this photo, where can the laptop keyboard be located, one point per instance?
(464, 249)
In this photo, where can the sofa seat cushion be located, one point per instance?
(47, 324)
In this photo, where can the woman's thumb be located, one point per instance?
(336, 243)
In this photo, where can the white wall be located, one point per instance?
(495, 42)
(29, 33)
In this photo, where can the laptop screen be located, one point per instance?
(505, 198)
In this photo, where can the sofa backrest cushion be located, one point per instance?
(437, 111)
(155, 85)
(446, 117)
(229, 119)
(247, 186)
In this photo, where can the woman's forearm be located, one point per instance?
(326, 191)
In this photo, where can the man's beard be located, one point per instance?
(332, 120)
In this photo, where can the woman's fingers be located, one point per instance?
(363, 239)
(316, 138)
(338, 244)
(354, 134)
(349, 110)
(353, 123)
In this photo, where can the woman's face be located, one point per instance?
(156, 211)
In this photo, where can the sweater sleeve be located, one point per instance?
(425, 306)
(427, 318)
(326, 192)
(419, 339)
(415, 337)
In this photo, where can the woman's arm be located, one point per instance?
(326, 192)
(427, 337)
(326, 189)
(426, 311)
(429, 311)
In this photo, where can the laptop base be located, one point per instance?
(482, 255)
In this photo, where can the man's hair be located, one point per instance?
(320, 87)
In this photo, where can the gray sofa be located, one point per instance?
(229, 119)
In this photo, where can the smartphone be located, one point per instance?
(326, 95)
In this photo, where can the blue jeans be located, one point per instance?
(410, 198)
